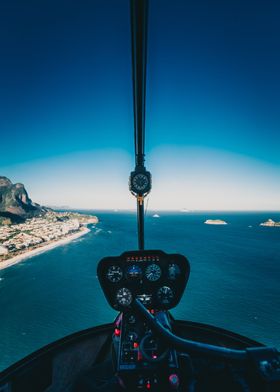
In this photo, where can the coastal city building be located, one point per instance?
(39, 231)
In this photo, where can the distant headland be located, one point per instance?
(215, 222)
(26, 228)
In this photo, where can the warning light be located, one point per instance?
(135, 345)
(148, 385)
(154, 356)
(117, 332)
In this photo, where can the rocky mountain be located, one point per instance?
(15, 204)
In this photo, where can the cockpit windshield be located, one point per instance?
(67, 148)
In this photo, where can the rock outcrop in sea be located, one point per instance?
(270, 223)
(215, 222)
(15, 204)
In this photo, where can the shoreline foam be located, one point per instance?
(41, 249)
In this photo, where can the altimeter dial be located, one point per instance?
(153, 272)
(165, 295)
(124, 297)
(114, 273)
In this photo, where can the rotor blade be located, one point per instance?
(139, 25)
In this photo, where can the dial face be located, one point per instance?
(140, 181)
(124, 297)
(173, 271)
(153, 272)
(134, 272)
(114, 273)
(165, 295)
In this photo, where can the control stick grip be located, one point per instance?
(185, 345)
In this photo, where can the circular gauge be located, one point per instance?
(124, 297)
(165, 295)
(153, 272)
(173, 271)
(134, 272)
(114, 273)
(140, 182)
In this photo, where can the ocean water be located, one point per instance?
(234, 281)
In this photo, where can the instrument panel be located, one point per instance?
(154, 277)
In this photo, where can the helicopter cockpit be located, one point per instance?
(148, 352)
(145, 348)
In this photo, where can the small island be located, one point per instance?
(270, 223)
(215, 222)
(156, 216)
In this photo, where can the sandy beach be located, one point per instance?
(44, 248)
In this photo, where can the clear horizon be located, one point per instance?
(57, 208)
(198, 179)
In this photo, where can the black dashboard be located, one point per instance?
(154, 277)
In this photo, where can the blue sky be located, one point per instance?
(213, 97)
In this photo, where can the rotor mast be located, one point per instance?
(140, 179)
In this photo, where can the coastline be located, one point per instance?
(41, 249)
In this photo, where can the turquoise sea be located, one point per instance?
(234, 281)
